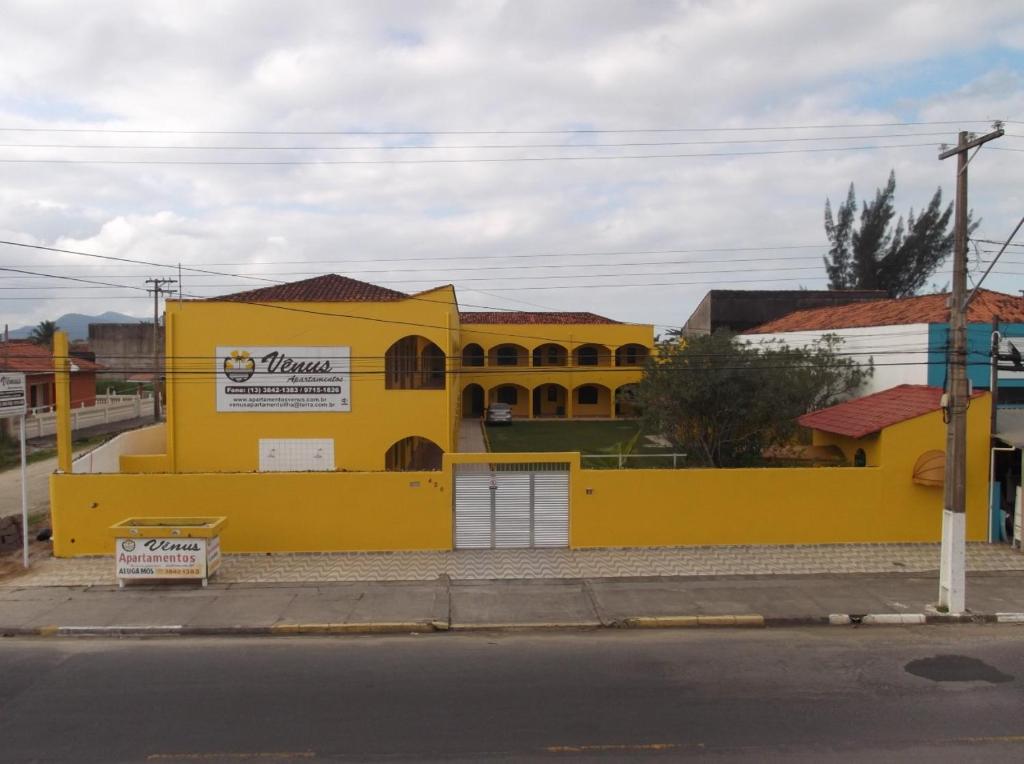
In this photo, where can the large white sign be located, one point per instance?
(283, 378)
(167, 557)
(12, 395)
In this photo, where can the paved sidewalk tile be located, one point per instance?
(521, 602)
(546, 564)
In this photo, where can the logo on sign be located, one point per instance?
(128, 545)
(239, 367)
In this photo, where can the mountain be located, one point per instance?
(77, 325)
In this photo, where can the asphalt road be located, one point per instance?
(813, 694)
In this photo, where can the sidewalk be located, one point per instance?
(442, 605)
(439, 591)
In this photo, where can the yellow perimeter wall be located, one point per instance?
(339, 511)
(267, 512)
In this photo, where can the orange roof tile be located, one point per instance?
(872, 413)
(926, 309)
(29, 358)
(528, 317)
(328, 288)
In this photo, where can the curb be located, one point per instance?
(745, 620)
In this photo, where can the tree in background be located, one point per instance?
(874, 254)
(42, 333)
(723, 402)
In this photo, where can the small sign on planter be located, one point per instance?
(170, 548)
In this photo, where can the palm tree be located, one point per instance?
(42, 334)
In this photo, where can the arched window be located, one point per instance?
(550, 354)
(472, 355)
(586, 356)
(587, 394)
(507, 355)
(507, 394)
(413, 453)
(630, 355)
(414, 363)
(860, 458)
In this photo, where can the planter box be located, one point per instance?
(167, 548)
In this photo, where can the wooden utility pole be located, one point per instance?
(157, 289)
(952, 577)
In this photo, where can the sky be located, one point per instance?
(601, 155)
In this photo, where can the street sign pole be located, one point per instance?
(24, 496)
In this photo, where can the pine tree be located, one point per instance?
(876, 255)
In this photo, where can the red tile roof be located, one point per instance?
(927, 309)
(328, 288)
(872, 413)
(29, 358)
(528, 317)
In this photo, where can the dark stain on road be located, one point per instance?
(956, 668)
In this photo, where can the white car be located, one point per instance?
(499, 413)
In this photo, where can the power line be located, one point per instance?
(478, 160)
(484, 146)
(572, 131)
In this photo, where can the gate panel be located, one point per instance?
(551, 509)
(516, 506)
(473, 520)
(512, 510)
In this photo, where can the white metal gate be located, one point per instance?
(518, 505)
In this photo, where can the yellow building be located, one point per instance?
(331, 373)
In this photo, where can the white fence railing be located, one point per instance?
(109, 408)
(632, 461)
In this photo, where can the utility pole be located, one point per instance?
(952, 576)
(157, 289)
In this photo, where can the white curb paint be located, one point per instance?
(70, 630)
(1009, 617)
(894, 618)
(839, 619)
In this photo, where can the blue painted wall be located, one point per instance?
(979, 345)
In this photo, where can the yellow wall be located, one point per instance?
(206, 440)
(267, 512)
(813, 505)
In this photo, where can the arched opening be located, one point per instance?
(592, 355)
(473, 401)
(626, 403)
(592, 401)
(414, 363)
(549, 400)
(516, 396)
(550, 354)
(508, 354)
(631, 355)
(413, 453)
(472, 355)
(860, 458)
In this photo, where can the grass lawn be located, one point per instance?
(588, 437)
(10, 451)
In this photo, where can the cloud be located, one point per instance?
(485, 66)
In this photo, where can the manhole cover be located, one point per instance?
(956, 668)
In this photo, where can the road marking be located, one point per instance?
(992, 739)
(620, 747)
(232, 755)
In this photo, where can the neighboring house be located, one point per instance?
(738, 310)
(126, 350)
(36, 363)
(907, 337)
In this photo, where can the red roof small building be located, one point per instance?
(873, 413)
(36, 363)
(926, 309)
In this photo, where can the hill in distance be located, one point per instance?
(77, 324)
